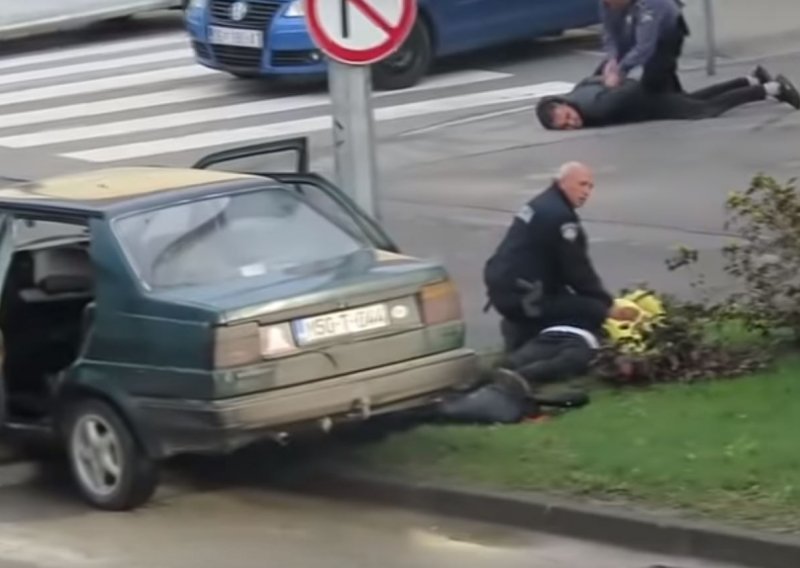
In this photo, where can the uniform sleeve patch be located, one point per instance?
(525, 214)
(569, 231)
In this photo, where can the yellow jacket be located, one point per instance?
(629, 334)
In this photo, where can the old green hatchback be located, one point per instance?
(150, 312)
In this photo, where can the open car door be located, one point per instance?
(7, 234)
(287, 162)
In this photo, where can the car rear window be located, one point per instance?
(246, 235)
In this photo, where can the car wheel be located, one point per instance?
(108, 464)
(409, 64)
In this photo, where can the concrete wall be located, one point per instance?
(746, 27)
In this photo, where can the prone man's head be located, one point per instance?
(558, 115)
(576, 182)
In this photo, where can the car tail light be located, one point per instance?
(276, 340)
(440, 303)
(237, 345)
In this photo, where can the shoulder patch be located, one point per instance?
(569, 231)
(525, 214)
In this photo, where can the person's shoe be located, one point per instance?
(512, 382)
(762, 75)
(788, 92)
(564, 400)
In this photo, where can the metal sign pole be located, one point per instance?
(354, 133)
(355, 34)
(711, 47)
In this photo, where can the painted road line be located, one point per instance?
(106, 106)
(314, 124)
(218, 112)
(97, 49)
(93, 66)
(106, 84)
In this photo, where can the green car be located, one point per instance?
(150, 312)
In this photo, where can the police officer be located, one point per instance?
(541, 274)
(643, 33)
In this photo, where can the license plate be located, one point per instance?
(235, 37)
(341, 324)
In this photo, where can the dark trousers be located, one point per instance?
(547, 358)
(709, 102)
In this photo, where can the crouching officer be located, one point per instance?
(541, 274)
(643, 33)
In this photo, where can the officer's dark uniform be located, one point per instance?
(648, 34)
(541, 274)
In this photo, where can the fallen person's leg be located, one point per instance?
(556, 354)
(719, 99)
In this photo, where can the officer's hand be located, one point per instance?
(611, 80)
(611, 75)
(623, 313)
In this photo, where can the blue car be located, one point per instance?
(257, 38)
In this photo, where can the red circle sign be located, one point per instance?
(360, 32)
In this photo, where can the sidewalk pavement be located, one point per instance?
(452, 192)
(745, 27)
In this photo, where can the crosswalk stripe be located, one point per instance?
(101, 65)
(199, 116)
(100, 107)
(104, 49)
(314, 124)
(106, 84)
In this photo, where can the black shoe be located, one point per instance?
(564, 400)
(788, 92)
(512, 382)
(762, 75)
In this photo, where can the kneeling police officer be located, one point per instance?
(541, 274)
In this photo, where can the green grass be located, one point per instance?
(728, 450)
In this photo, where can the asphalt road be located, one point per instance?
(451, 178)
(228, 513)
(457, 156)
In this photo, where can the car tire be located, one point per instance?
(409, 64)
(112, 471)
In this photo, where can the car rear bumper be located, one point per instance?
(194, 426)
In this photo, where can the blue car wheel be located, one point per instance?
(409, 64)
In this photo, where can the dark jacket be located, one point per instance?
(541, 270)
(604, 106)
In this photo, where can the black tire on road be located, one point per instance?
(135, 476)
(409, 64)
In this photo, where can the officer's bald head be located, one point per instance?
(617, 4)
(576, 180)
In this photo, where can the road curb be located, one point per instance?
(607, 524)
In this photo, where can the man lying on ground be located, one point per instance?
(591, 104)
(556, 354)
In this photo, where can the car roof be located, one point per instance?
(107, 192)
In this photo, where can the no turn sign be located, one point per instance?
(360, 32)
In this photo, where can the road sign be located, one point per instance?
(360, 32)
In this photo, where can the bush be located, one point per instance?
(694, 341)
